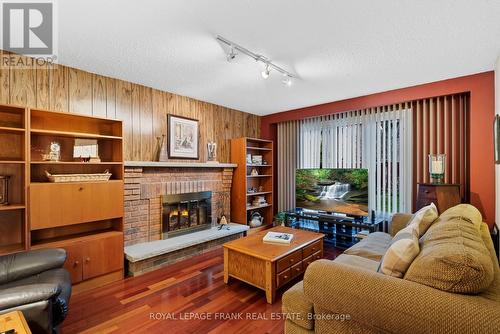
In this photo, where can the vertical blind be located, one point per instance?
(392, 141)
(287, 164)
(378, 139)
(441, 126)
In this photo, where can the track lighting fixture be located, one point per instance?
(287, 81)
(231, 55)
(265, 72)
(269, 65)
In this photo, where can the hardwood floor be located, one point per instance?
(187, 297)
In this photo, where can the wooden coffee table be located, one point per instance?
(270, 266)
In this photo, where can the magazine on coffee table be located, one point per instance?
(278, 238)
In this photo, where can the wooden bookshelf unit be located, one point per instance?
(85, 218)
(13, 157)
(243, 181)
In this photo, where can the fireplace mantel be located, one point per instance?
(175, 164)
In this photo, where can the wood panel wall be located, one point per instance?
(143, 110)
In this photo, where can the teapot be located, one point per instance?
(256, 220)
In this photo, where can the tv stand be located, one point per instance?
(340, 231)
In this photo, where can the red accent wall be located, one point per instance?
(482, 104)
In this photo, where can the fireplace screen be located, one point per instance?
(185, 213)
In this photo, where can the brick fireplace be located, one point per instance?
(145, 186)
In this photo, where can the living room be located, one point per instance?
(249, 167)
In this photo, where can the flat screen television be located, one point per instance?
(332, 190)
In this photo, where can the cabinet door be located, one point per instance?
(53, 205)
(103, 256)
(102, 200)
(74, 262)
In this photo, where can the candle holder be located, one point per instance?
(437, 167)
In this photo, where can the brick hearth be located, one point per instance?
(144, 187)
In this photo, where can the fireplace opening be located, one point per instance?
(186, 213)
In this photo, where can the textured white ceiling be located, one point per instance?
(340, 49)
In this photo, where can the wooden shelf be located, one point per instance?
(259, 193)
(12, 130)
(73, 163)
(258, 207)
(258, 140)
(13, 248)
(12, 161)
(242, 181)
(256, 148)
(72, 134)
(12, 207)
(47, 182)
(60, 241)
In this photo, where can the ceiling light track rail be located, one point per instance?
(236, 48)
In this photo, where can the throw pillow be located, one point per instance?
(423, 218)
(453, 255)
(399, 256)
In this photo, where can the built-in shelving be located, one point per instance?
(13, 155)
(85, 218)
(262, 184)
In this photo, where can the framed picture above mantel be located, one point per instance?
(183, 138)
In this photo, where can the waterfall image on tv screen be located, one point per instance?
(333, 190)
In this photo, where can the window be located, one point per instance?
(379, 139)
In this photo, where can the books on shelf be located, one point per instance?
(277, 237)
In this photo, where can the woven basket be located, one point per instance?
(79, 177)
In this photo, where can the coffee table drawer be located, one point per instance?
(307, 261)
(283, 277)
(288, 261)
(296, 270)
(312, 248)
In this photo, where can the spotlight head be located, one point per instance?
(287, 80)
(231, 55)
(265, 72)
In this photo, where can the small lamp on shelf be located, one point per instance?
(437, 167)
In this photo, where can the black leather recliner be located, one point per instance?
(36, 283)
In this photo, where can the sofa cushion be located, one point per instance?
(403, 250)
(357, 261)
(453, 256)
(372, 247)
(423, 218)
(298, 307)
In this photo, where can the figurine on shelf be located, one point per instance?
(254, 172)
(55, 151)
(212, 152)
(261, 188)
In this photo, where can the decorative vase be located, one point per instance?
(161, 149)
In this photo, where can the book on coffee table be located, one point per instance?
(278, 237)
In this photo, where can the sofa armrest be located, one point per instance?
(398, 222)
(20, 265)
(27, 294)
(388, 304)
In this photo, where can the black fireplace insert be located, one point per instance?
(186, 213)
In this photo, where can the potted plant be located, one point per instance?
(280, 219)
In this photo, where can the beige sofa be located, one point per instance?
(349, 295)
